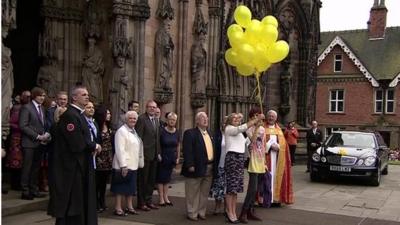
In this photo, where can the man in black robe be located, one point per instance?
(73, 201)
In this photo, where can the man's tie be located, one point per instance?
(40, 114)
(153, 121)
(92, 128)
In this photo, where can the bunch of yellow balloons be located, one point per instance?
(254, 45)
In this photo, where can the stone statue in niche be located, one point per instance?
(287, 18)
(119, 94)
(7, 86)
(164, 56)
(198, 65)
(46, 78)
(92, 71)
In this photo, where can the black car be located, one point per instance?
(351, 153)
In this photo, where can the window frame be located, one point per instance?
(335, 60)
(337, 100)
(376, 101)
(393, 101)
(384, 101)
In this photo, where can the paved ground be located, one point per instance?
(339, 201)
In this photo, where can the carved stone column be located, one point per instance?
(64, 21)
(284, 107)
(163, 51)
(214, 29)
(140, 13)
(198, 60)
(48, 77)
(93, 63)
(121, 83)
(8, 22)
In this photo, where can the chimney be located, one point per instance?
(377, 20)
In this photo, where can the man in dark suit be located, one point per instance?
(314, 141)
(147, 127)
(61, 101)
(198, 157)
(73, 200)
(32, 123)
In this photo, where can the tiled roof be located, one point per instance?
(381, 57)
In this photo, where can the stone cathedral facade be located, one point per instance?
(171, 51)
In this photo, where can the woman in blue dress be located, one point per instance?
(170, 151)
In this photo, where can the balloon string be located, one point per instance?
(259, 90)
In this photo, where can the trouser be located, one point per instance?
(101, 185)
(196, 194)
(251, 191)
(30, 169)
(146, 182)
(292, 149)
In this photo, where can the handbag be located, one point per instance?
(117, 177)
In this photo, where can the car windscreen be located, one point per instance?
(357, 140)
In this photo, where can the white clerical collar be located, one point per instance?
(78, 108)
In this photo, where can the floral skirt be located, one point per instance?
(218, 185)
(234, 172)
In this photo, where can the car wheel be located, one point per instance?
(376, 177)
(385, 170)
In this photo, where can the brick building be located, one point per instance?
(358, 78)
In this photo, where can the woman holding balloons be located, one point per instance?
(235, 144)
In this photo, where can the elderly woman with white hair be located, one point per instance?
(170, 150)
(127, 159)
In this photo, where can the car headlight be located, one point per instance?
(360, 162)
(369, 161)
(316, 157)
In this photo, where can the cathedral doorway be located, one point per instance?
(23, 42)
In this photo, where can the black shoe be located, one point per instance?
(38, 195)
(276, 205)
(26, 197)
(169, 203)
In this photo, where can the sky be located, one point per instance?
(354, 14)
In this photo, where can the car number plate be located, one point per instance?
(340, 168)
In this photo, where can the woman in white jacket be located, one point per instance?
(128, 158)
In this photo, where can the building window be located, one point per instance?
(338, 63)
(336, 101)
(378, 101)
(388, 101)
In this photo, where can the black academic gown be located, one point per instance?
(74, 175)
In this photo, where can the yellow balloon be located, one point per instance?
(278, 51)
(242, 16)
(269, 34)
(260, 61)
(245, 70)
(271, 20)
(231, 57)
(234, 28)
(236, 39)
(253, 31)
(246, 53)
